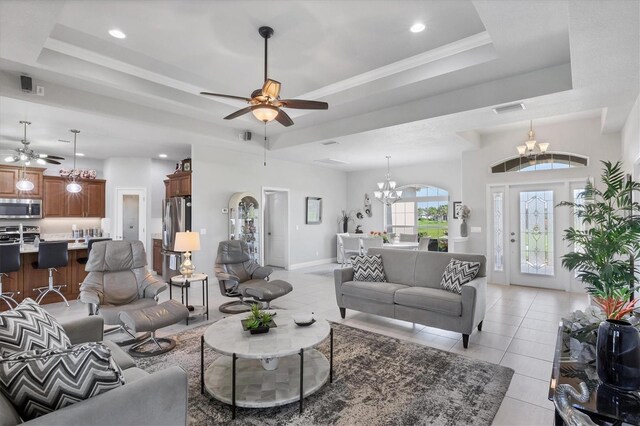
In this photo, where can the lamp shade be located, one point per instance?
(187, 241)
(265, 113)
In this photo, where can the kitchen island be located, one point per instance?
(28, 278)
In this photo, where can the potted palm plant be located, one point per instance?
(604, 246)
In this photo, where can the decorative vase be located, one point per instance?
(618, 355)
(345, 226)
(463, 228)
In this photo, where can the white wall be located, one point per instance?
(443, 174)
(631, 139)
(218, 174)
(580, 137)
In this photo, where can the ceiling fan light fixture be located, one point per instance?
(116, 33)
(271, 89)
(265, 113)
(41, 161)
(10, 159)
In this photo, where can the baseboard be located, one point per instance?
(312, 263)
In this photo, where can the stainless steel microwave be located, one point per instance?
(20, 208)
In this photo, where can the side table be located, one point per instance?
(185, 282)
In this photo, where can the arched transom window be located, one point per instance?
(548, 161)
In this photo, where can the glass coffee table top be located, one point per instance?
(574, 362)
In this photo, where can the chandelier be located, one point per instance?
(387, 194)
(532, 148)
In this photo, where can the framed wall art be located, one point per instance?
(457, 206)
(314, 211)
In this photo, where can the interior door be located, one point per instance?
(535, 235)
(276, 229)
(130, 217)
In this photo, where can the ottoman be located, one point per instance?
(268, 291)
(151, 319)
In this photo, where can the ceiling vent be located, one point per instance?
(331, 161)
(329, 143)
(64, 141)
(509, 108)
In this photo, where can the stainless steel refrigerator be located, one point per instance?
(176, 217)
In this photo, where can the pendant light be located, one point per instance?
(73, 186)
(23, 183)
(529, 148)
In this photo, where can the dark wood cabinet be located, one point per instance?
(179, 184)
(78, 274)
(53, 198)
(167, 192)
(12, 282)
(9, 176)
(157, 256)
(94, 198)
(90, 202)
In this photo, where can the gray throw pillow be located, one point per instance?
(29, 327)
(39, 382)
(457, 273)
(368, 268)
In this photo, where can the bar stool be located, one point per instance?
(9, 262)
(52, 255)
(90, 242)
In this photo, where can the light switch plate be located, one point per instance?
(203, 231)
(476, 229)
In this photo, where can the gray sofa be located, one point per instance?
(145, 399)
(412, 291)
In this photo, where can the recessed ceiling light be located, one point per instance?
(162, 155)
(79, 154)
(117, 33)
(417, 28)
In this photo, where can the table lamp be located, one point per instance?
(187, 242)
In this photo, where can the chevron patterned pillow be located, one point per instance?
(39, 382)
(368, 268)
(29, 327)
(457, 273)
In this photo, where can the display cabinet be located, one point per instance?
(244, 221)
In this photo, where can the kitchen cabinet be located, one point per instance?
(90, 202)
(157, 256)
(78, 274)
(179, 184)
(9, 176)
(167, 193)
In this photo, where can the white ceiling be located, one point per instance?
(417, 97)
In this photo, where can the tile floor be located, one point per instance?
(519, 331)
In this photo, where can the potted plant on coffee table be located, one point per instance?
(611, 236)
(258, 321)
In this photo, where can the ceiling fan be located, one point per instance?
(27, 154)
(265, 103)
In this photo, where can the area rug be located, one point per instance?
(377, 380)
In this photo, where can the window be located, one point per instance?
(536, 232)
(422, 210)
(551, 161)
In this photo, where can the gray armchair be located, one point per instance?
(239, 276)
(118, 281)
(145, 399)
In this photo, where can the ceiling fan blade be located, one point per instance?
(226, 96)
(271, 88)
(284, 119)
(238, 113)
(53, 157)
(302, 104)
(50, 161)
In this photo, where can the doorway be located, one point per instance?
(535, 230)
(131, 214)
(275, 202)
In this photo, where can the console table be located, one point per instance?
(571, 366)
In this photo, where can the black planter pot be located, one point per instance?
(345, 226)
(618, 355)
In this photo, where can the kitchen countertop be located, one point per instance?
(30, 248)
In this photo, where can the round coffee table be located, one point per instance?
(265, 370)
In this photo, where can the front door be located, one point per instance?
(535, 235)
